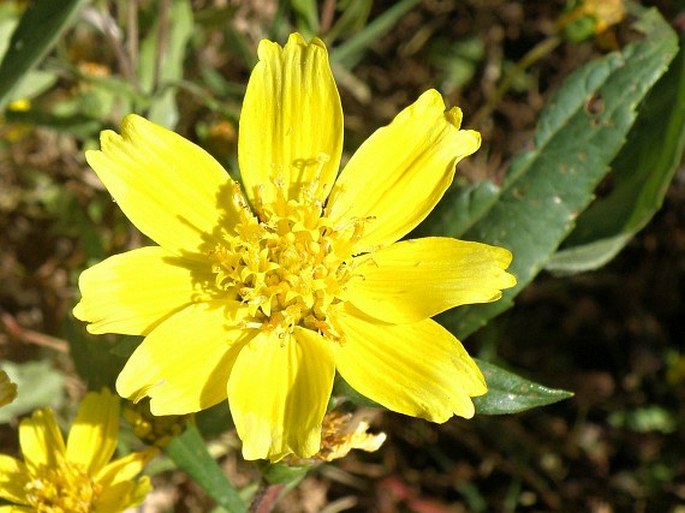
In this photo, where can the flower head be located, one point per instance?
(261, 294)
(76, 477)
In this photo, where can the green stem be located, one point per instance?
(266, 497)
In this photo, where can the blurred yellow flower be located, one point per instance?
(606, 13)
(20, 105)
(8, 390)
(75, 477)
(260, 297)
(584, 18)
(13, 132)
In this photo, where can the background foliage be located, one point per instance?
(583, 135)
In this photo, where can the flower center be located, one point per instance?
(290, 265)
(65, 489)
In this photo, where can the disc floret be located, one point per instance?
(66, 488)
(289, 264)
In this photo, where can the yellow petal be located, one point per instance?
(415, 279)
(120, 490)
(183, 364)
(291, 123)
(398, 175)
(123, 496)
(94, 434)
(278, 392)
(17, 509)
(41, 440)
(126, 468)
(171, 189)
(132, 292)
(418, 369)
(14, 477)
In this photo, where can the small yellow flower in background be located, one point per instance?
(607, 13)
(585, 18)
(20, 105)
(13, 132)
(8, 390)
(75, 477)
(261, 296)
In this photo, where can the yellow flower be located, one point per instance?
(75, 477)
(260, 298)
(8, 390)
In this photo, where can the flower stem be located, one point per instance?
(266, 497)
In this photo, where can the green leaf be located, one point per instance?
(10, 13)
(509, 393)
(457, 61)
(38, 30)
(189, 452)
(588, 256)
(308, 11)
(79, 125)
(353, 17)
(641, 175)
(92, 356)
(463, 204)
(547, 187)
(161, 63)
(350, 52)
(33, 83)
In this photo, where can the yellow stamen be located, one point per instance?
(66, 488)
(289, 265)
